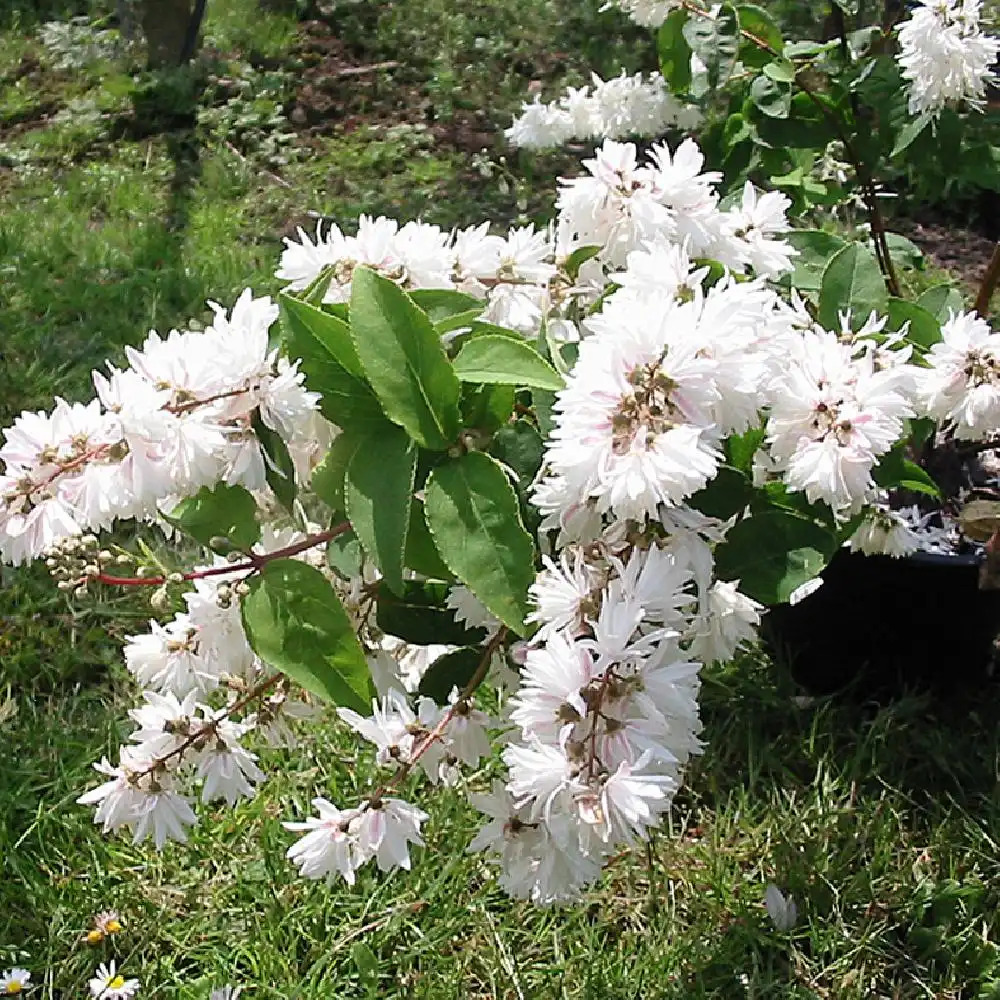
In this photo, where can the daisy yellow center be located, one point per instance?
(113, 927)
(14, 986)
(95, 937)
(117, 983)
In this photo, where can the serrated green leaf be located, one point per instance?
(572, 264)
(378, 489)
(741, 448)
(279, 470)
(329, 362)
(472, 512)
(327, 480)
(486, 407)
(904, 251)
(851, 280)
(403, 360)
(454, 669)
(345, 556)
(505, 361)
(443, 304)
(773, 553)
(221, 511)
(296, 624)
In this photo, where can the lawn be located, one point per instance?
(881, 820)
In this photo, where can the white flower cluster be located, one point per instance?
(607, 709)
(179, 739)
(605, 109)
(177, 418)
(438, 738)
(945, 56)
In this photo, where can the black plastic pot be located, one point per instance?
(886, 625)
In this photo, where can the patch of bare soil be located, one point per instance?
(963, 251)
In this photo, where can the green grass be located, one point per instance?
(882, 822)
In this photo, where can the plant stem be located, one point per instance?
(989, 284)
(864, 177)
(438, 731)
(258, 691)
(253, 562)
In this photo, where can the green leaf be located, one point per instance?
(296, 623)
(896, 471)
(851, 280)
(379, 489)
(674, 52)
(345, 556)
(772, 553)
(781, 71)
(909, 133)
(758, 22)
(279, 470)
(443, 304)
(716, 41)
(228, 512)
(504, 361)
(421, 554)
(741, 448)
(402, 356)
(330, 363)
(572, 264)
(520, 447)
(815, 247)
(773, 98)
(327, 480)
(454, 669)
(486, 407)
(472, 512)
(420, 616)
(904, 251)
(940, 301)
(806, 127)
(725, 495)
(925, 330)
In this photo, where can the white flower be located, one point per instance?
(385, 830)
(228, 770)
(329, 847)
(730, 619)
(944, 56)
(226, 993)
(14, 981)
(139, 795)
(962, 385)
(884, 532)
(780, 908)
(109, 984)
(648, 13)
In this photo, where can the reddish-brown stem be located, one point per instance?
(258, 691)
(438, 731)
(989, 284)
(867, 183)
(195, 403)
(253, 562)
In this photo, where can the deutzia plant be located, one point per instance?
(571, 463)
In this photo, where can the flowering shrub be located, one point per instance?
(573, 462)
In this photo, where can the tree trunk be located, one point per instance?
(165, 24)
